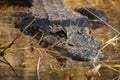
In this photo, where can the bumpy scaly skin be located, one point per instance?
(77, 44)
(98, 13)
(80, 46)
(90, 13)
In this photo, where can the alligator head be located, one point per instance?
(75, 43)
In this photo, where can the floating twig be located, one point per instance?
(38, 64)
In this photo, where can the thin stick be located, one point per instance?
(29, 42)
(52, 46)
(108, 42)
(2, 53)
(38, 64)
(3, 62)
(6, 62)
(41, 36)
(29, 24)
(110, 67)
(11, 67)
(99, 18)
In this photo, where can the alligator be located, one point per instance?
(59, 27)
(97, 19)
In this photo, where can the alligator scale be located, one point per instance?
(55, 25)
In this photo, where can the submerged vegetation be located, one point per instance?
(25, 55)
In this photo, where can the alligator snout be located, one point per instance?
(80, 46)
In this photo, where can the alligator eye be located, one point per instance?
(44, 44)
(57, 30)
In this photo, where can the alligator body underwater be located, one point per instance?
(95, 16)
(53, 23)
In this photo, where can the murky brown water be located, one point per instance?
(36, 64)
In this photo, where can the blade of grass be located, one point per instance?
(3, 53)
